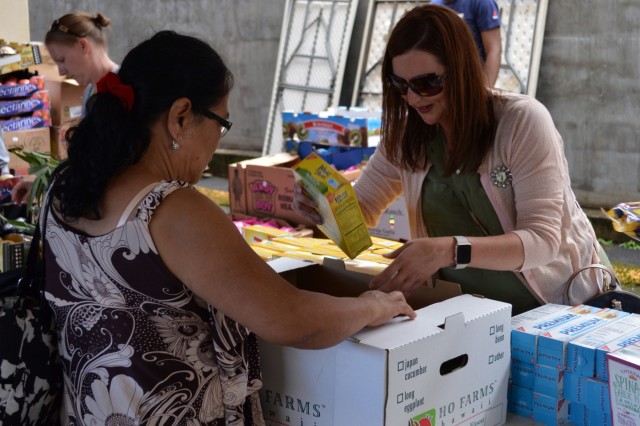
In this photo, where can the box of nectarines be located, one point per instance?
(448, 366)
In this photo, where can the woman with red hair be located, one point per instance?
(483, 173)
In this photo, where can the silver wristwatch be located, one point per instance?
(462, 254)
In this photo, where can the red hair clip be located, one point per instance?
(111, 83)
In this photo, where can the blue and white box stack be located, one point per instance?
(551, 347)
(587, 390)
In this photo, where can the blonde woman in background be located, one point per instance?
(77, 43)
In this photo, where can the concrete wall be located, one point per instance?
(589, 75)
(590, 82)
(14, 26)
(245, 32)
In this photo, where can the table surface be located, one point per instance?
(515, 420)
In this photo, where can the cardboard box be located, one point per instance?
(66, 100)
(65, 94)
(26, 55)
(522, 374)
(526, 327)
(394, 222)
(552, 344)
(334, 277)
(624, 389)
(520, 401)
(625, 341)
(33, 86)
(581, 352)
(336, 202)
(264, 186)
(30, 140)
(329, 129)
(575, 387)
(449, 365)
(37, 119)
(598, 397)
(37, 101)
(581, 414)
(548, 381)
(550, 410)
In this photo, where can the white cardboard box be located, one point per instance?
(624, 390)
(394, 222)
(451, 365)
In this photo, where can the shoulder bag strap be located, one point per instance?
(32, 281)
(609, 284)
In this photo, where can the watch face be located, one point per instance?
(463, 254)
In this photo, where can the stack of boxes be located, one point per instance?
(36, 106)
(559, 370)
(346, 139)
(25, 115)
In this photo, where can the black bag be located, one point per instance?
(613, 295)
(30, 369)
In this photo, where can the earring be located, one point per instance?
(174, 145)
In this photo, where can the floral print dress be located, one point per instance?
(137, 346)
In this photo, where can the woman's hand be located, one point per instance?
(415, 263)
(20, 191)
(389, 305)
(305, 206)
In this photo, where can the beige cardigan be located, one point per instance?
(539, 205)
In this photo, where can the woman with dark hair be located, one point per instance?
(483, 173)
(155, 294)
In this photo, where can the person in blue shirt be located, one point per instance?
(483, 19)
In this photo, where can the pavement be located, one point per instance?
(214, 182)
(615, 252)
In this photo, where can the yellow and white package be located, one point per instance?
(257, 233)
(319, 246)
(337, 204)
(626, 218)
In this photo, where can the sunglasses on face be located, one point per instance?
(225, 125)
(424, 85)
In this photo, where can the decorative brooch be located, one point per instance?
(501, 176)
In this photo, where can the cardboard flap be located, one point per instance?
(400, 331)
(397, 332)
(454, 323)
(333, 278)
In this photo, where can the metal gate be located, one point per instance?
(316, 37)
(522, 33)
(313, 50)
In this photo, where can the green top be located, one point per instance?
(458, 205)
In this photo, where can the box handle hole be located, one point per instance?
(454, 364)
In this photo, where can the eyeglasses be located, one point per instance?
(424, 85)
(224, 123)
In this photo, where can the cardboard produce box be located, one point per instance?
(450, 365)
(65, 94)
(264, 186)
(66, 100)
(30, 140)
(394, 222)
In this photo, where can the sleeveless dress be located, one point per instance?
(137, 346)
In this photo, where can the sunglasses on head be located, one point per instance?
(424, 85)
